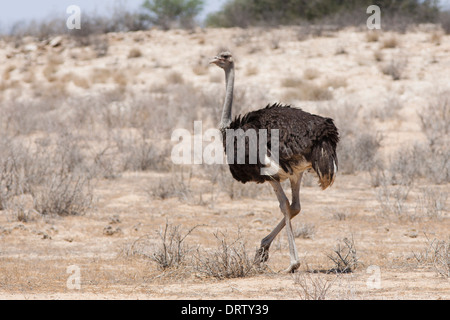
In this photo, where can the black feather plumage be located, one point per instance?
(303, 138)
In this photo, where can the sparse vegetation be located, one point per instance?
(301, 90)
(230, 260)
(394, 68)
(437, 255)
(390, 42)
(134, 53)
(85, 132)
(305, 231)
(313, 286)
(172, 251)
(344, 257)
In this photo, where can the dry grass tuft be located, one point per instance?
(390, 42)
(175, 78)
(394, 68)
(134, 53)
(437, 255)
(372, 36)
(311, 74)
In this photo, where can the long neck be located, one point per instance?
(226, 112)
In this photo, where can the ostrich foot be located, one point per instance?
(294, 266)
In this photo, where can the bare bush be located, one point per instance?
(305, 231)
(390, 42)
(392, 200)
(389, 110)
(301, 90)
(437, 255)
(358, 152)
(172, 251)
(419, 161)
(435, 121)
(344, 257)
(313, 286)
(431, 203)
(141, 154)
(394, 68)
(134, 53)
(176, 186)
(63, 194)
(229, 260)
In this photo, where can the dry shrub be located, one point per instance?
(313, 286)
(389, 110)
(436, 37)
(251, 70)
(174, 77)
(7, 72)
(311, 73)
(378, 55)
(394, 68)
(54, 175)
(77, 80)
(50, 72)
(12, 180)
(100, 75)
(372, 36)
(300, 90)
(437, 255)
(335, 82)
(435, 121)
(134, 53)
(392, 200)
(428, 160)
(63, 194)
(305, 231)
(395, 201)
(431, 203)
(344, 257)
(172, 251)
(390, 42)
(81, 82)
(229, 260)
(291, 82)
(177, 185)
(200, 69)
(142, 154)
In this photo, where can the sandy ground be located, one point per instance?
(45, 257)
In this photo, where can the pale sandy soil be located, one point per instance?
(35, 255)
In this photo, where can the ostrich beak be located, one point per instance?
(214, 60)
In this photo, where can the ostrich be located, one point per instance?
(306, 141)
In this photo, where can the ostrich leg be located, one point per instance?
(289, 211)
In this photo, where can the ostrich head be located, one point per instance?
(223, 60)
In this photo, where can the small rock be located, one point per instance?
(114, 219)
(109, 231)
(412, 234)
